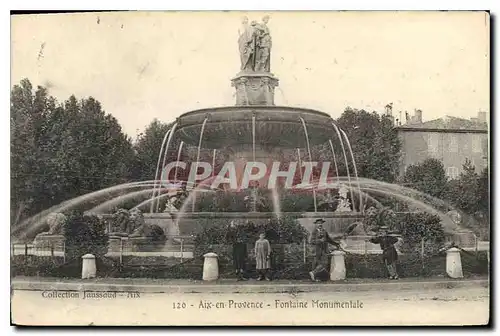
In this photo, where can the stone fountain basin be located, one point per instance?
(275, 126)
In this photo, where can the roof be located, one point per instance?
(447, 124)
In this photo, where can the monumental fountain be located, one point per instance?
(254, 130)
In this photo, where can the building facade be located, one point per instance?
(450, 140)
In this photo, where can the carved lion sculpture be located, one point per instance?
(153, 233)
(121, 223)
(55, 221)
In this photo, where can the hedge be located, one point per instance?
(291, 267)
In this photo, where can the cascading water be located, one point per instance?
(198, 156)
(276, 203)
(310, 159)
(178, 159)
(334, 159)
(345, 157)
(361, 208)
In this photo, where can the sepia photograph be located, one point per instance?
(231, 168)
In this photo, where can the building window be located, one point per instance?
(453, 143)
(433, 143)
(476, 143)
(484, 147)
(452, 172)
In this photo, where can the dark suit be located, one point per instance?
(389, 253)
(237, 238)
(320, 239)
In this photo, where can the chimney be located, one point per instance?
(418, 116)
(481, 116)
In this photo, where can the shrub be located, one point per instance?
(84, 234)
(286, 230)
(421, 225)
(375, 218)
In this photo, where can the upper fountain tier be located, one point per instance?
(274, 126)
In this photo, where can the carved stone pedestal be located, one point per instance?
(254, 88)
(89, 270)
(210, 267)
(454, 263)
(337, 268)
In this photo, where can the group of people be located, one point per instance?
(262, 253)
(320, 239)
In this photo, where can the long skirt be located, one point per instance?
(262, 262)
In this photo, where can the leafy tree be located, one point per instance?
(465, 193)
(375, 218)
(415, 227)
(484, 192)
(23, 149)
(60, 151)
(84, 234)
(147, 148)
(428, 177)
(375, 144)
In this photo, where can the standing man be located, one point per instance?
(389, 253)
(320, 239)
(236, 236)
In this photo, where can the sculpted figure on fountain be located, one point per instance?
(121, 224)
(56, 222)
(255, 44)
(344, 203)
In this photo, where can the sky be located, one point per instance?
(146, 65)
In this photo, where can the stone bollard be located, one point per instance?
(454, 263)
(337, 268)
(210, 267)
(88, 266)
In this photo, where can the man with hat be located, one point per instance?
(386, 240)
(320, 239)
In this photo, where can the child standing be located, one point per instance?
(263, 257)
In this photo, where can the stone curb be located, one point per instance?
(247, 288)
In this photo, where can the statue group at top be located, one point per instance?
(255, 46)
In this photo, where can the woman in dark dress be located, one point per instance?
(389, 253)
